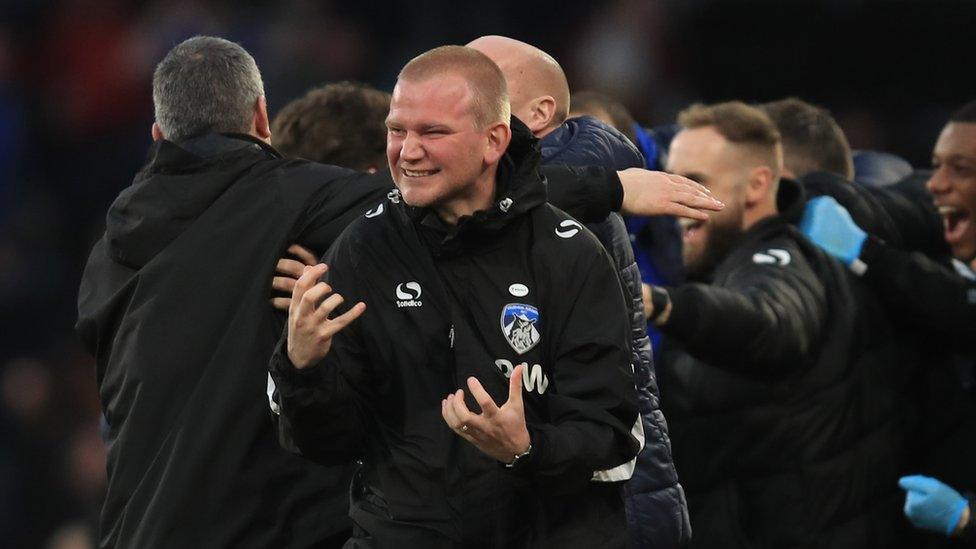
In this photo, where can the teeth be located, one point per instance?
(418, 173)
(948, 210)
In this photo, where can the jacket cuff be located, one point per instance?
(283, 369)
(684, 311)
(615, 191)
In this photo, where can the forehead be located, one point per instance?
(698, 150)
(441, 98)
(957, 139)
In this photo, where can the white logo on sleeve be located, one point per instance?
(569, 228)
(772, 256)
(375, 211)
(408, 294)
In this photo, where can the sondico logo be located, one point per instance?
(569, 228)
(408, 295)
(533, 379)
(375, 211)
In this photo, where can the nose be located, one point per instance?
(939, 182)
(411, 149)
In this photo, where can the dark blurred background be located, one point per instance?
(76, 109)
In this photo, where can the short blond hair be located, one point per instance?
(741, 124)
(481, 74)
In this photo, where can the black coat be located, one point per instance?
(784, 411)
(174, 306)
(439, 309)
(657, 514)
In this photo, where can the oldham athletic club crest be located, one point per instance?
(519, 326)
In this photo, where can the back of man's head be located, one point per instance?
(966, 114)
(812, 139)
(206, 84)
(484, 79)
(537, 85)
(341, 124)
(742, 125)
(603, 107)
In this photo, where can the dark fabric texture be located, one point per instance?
(785, 398)
(931, 306)
(657, 514)
(174, 306)
(379, 388)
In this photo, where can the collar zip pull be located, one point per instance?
(505, 204)
(394, 196)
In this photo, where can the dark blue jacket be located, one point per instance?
(657, 513)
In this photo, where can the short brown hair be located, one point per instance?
(812, 139)
(341, 124)
(588, 101)
(482, 75)
(740, 124)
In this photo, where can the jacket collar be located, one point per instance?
(165, 156)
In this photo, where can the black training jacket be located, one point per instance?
(783, 393)
(174, 306)
(521, 282)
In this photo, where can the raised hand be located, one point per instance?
(310, 330)
(499, 432)
(660, 193)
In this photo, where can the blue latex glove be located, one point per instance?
(931, 504)
(830, 226)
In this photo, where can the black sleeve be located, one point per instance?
(587, 193)
(915, 216)
(330, 212)
(925, 294)
(769, 317)
(321, 409)
(593, 403)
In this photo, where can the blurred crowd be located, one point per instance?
(75, 113)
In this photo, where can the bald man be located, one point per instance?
(539, 94)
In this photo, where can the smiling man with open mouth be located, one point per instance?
(953, 185)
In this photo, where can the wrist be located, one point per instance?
(660, 305)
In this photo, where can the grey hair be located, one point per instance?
(205, 84)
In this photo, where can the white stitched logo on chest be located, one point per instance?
(408, 294)
(533, 379)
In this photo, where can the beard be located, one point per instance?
(724, 233)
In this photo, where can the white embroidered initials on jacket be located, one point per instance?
(533, 379)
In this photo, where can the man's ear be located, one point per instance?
(542, 110)
(499, 136)
(157, 132)
(262, 124)
(759, 185)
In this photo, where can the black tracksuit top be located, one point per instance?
(174, 306)
(521, 282)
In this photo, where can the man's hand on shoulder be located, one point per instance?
(288, 271)
(660, 193)
(310, 330)
(499, 432)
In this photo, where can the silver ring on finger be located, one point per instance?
(464, 428)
